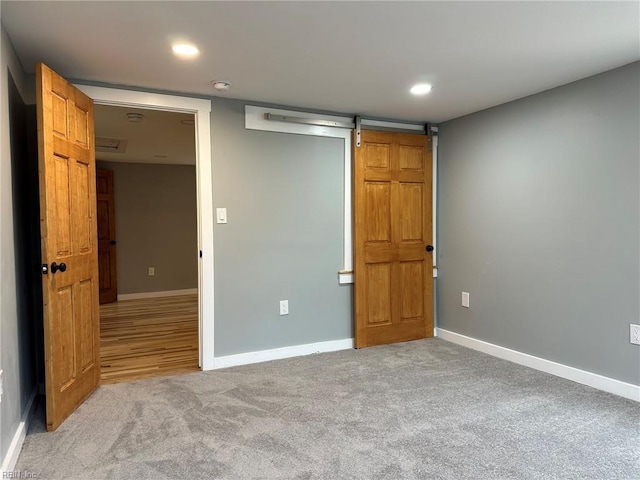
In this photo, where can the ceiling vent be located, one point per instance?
(110, 145)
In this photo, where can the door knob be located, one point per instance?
(429, 248)
(55, 267)
(113, 242)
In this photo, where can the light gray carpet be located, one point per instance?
(420, 410)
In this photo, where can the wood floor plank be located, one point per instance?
(148, 337)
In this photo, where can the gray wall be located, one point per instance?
(539, 220)
(16, 329)
(284, 200)
(156, 226)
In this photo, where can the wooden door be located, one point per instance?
(392, 228)
(106, 237)
(69, 244)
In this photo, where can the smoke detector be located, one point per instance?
(135, 117)
(221, 85)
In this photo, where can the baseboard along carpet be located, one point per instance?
(420, 410)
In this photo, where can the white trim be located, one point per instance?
(254, 120)
(623, 389)
(166, 293)
(434, 199)
(284, 352)
(201, 109)
(345, 278)
(11, 457)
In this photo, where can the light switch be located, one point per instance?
(221, 215)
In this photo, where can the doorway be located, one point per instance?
(148, 246)
(201, 111)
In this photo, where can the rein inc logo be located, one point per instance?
(19, 474)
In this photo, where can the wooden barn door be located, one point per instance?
(392, 237)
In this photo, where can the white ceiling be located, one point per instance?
(159, 138)
(351, 57)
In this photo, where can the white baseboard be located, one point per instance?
(623, 389)
(284, 352)
(11, 458)
(167, 293)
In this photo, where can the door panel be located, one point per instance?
(68, 230)
(378, 216)
(379, 293)
(106, 237)
(392, 226)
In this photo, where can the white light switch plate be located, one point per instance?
(221, 215)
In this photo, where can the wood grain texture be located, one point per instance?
(393, 280)
(66, 164)
(106, 237)
(148, 337)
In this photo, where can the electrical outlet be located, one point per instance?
(634, 334)
(152, 271)
(284, 307)
(465, 299)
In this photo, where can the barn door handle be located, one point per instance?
(429, 248)
(55, 267)
(113, 242)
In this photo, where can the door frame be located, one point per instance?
(201, 109)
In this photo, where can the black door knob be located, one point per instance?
(429, 248)
(55, 267)
(113, 242)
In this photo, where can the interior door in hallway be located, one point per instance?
(69, 244)
(393, 286)
(108, 279)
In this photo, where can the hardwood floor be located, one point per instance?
(148, 337)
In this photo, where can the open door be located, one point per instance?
(69, 244)
(106, 238)
(392, 235)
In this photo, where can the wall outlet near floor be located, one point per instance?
(152, 271)
(634, 334)
(465, 299)
(284, 307)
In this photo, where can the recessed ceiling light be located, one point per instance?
(221, 85)
(421, 89)
(185, 50)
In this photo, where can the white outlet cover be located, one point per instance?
(634, 334)
(465, 299)
(284, 307)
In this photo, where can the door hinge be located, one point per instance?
(200, 253)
